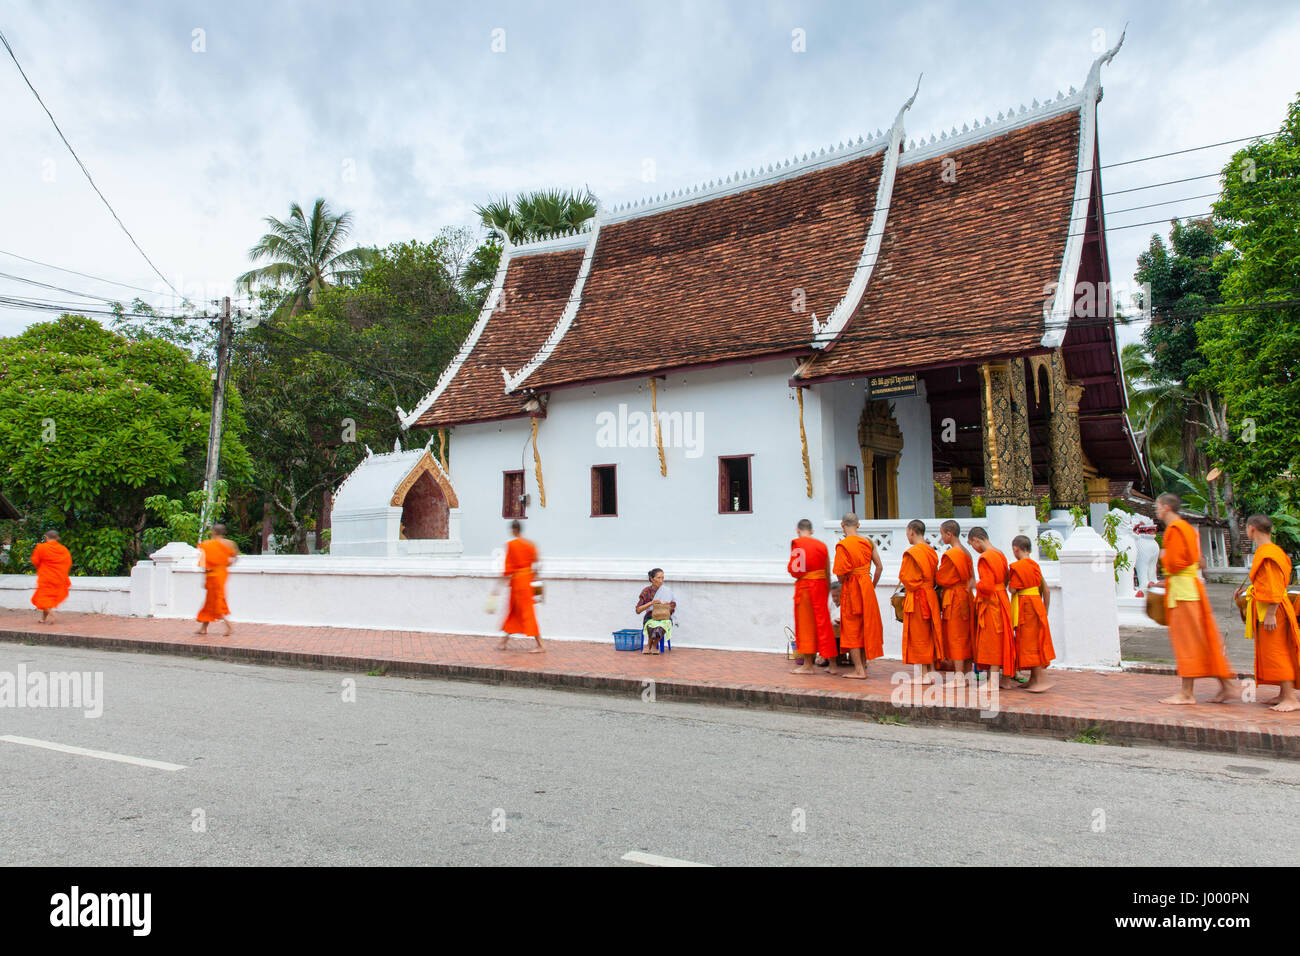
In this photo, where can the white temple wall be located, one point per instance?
(730, 410)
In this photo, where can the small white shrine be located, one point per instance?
(399, 504)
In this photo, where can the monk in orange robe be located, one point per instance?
(1271, 617)
(521, 616)
(1198, 647)
(995, 637)
(53, 562)
(809, 565)
(922, 624)
(956, 575)
(216, 555)
(1034, 648)
(858, 566)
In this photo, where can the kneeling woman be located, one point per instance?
(657, 604)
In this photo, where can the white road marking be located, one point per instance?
(98, 754)
(650, 859)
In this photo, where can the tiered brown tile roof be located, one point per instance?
(716, 280)
(961, 275)
(963, 265)
(533, 297)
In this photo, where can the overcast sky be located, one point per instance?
(197, 119)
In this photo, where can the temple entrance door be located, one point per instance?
(424, 510)
(881, 441)
(881, 467)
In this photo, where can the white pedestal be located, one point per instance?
(1090, 609)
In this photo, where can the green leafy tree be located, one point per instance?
(321, 385)
(92, 424)
(305, 255)
(1252, 346)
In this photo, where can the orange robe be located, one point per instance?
(1198, 647)
(215, 557)
(995, 639)
(860, 624)
(958, 607)
(1029, 615)
(521, 618)
(1276, 651)
(52, 562)
(922, 628)
(809, 565)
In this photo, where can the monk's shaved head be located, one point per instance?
(850, 520)
(1260, 523)
(51, 535)
(1171, 501)
(977, 534)
(951, 527)
(218, 528)
(804, 524)
(916, 525)
(1022, 543)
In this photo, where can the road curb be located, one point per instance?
(1192, 735)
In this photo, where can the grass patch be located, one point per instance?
(1089, 735)
(378, 672)
(892, 719)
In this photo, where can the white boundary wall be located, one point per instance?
(88, 594)
(740, 605)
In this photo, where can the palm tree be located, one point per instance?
(305, 255)
(534, 215)
(1157, 410)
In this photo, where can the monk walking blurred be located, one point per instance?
(858, 566)
(922, 625)
(1029, 598)
(995, 637)
(1198, 647)
(52, 562)
(1270, 616)
(216, 555)
(809, 565)
(521, 617)
(956, 575)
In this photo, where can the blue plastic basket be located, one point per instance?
(628, 640)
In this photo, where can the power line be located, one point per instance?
(84, 275)
(89, 179)
(1190, 149)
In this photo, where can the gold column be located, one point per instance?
(1098, 490)
(1022, 448)
(1065, 444)
(867, 486)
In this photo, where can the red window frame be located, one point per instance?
(512, 508)
(724, 490)
(596, 487)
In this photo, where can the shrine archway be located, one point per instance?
(881, 441)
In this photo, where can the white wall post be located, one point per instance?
(1090, 612)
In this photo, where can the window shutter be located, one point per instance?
(596, 503)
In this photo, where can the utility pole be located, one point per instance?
(218, 411)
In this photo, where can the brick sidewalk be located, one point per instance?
(1124, 707)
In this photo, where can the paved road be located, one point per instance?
(285, 771)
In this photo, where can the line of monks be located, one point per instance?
(959, 613)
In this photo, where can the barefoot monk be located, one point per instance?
(216, 555)
(809, 565)
(521, 617)
(1198, 647)
(52, 562)
(1029, 614)
(858, 566)
(1270, 616)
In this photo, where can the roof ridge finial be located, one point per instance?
(1094, 74)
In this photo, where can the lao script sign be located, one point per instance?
(891, 386)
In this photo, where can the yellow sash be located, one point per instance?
(1015, 603)
(1182, 586)
(813, 576)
